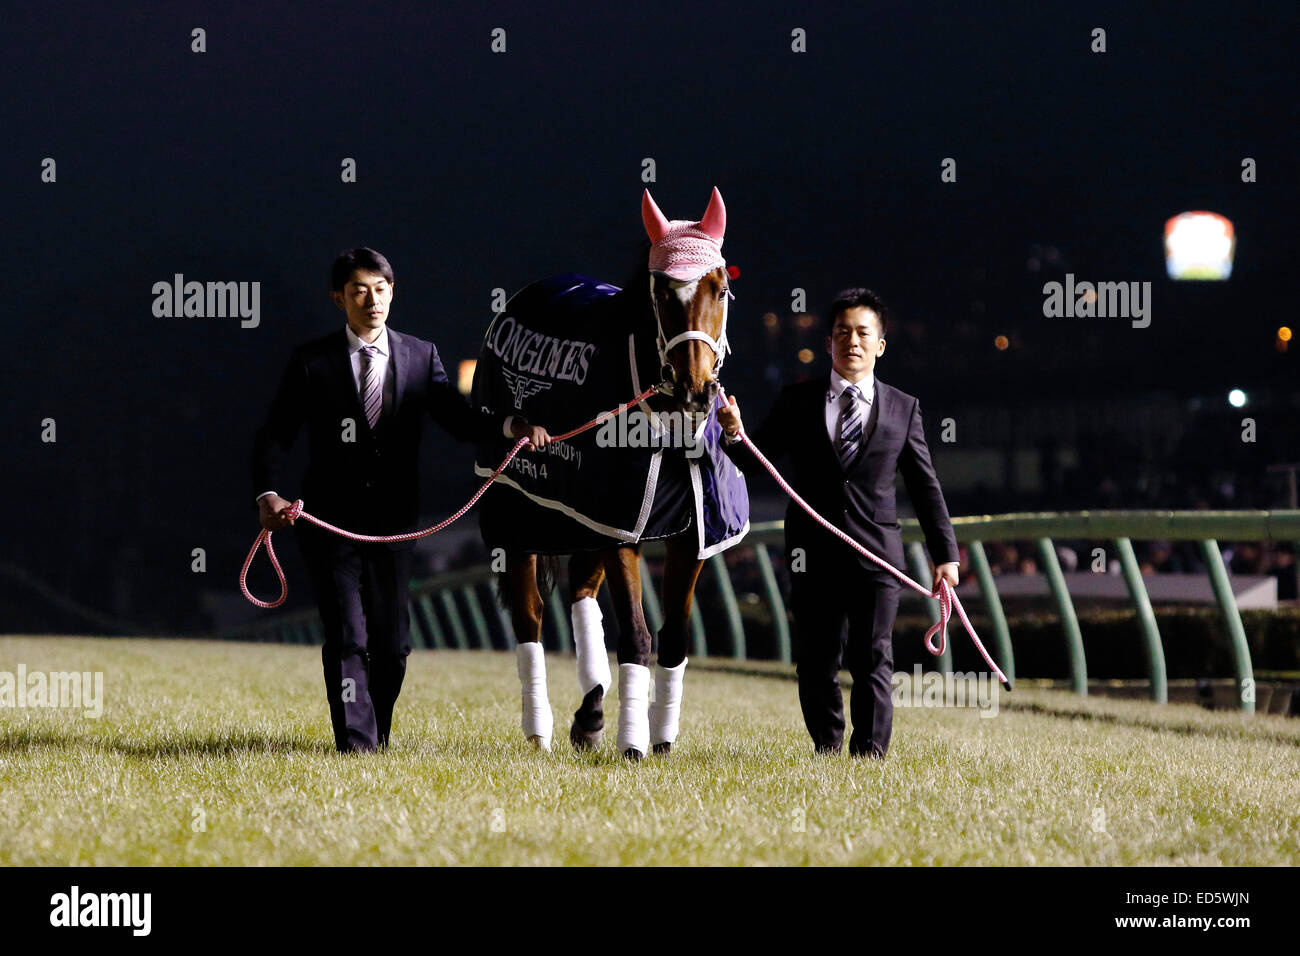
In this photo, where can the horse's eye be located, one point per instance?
(722, 293)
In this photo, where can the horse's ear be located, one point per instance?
(656, 225)
(715, 217)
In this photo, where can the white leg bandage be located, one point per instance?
(589, 642)
(537, 719)
(633, 701)
(666, 711)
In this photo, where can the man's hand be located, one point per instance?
(537, 435)
(729, 417)
(274, 512)
(945, 572)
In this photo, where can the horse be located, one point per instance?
(677, 297)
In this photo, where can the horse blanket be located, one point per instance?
(560, 353)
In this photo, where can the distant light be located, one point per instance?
(770, 320)
(804, 321)
(1199, 245)
(465, 375)
(1001, 343)
(805, 356)
(1236, 398)
(1284, 334)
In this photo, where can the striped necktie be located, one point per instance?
(850, 428)
(372, 388)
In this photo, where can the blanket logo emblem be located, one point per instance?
(521, 386)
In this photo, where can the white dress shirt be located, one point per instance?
(380, 360)
(835, 404)
(866, 394)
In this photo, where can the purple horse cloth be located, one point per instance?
(560, 353)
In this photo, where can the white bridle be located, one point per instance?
(721, 347)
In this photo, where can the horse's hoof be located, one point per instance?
(664, 747)
(584, 739)
(588, 720)
(633, 754)
(540, 742)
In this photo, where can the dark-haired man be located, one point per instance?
(846, 436)
(363, 392)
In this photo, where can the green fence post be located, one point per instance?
(735, 625)
(507, 625)
(1232, 621)
(1069, 621)
(420, 635)
(447, 598)
(434, 635)
(1006, 659)
(699, 645)
(780, 623)
(654, 612)
(921, 571)
(1151, 644)
(483, 635)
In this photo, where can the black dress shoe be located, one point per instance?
(867, 748)
(359, 749)
(872, 754)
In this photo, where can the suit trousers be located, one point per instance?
(361, 591)
(825, 596)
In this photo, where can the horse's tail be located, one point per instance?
(548, 573)
(548, 568)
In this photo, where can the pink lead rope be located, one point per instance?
(946, 596)
(295, 511)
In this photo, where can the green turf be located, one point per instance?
(240, 732)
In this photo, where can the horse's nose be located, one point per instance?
(697, 400)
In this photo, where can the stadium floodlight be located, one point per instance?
(1199, 245)
(1237, 398)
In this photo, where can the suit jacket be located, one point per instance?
(861, 501)
(370, 484)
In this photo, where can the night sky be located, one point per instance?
(479, 170)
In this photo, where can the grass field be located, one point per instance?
(220, 753)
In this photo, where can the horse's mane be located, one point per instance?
(633, 302)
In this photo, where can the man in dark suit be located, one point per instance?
(363, 392)
(846, 436)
